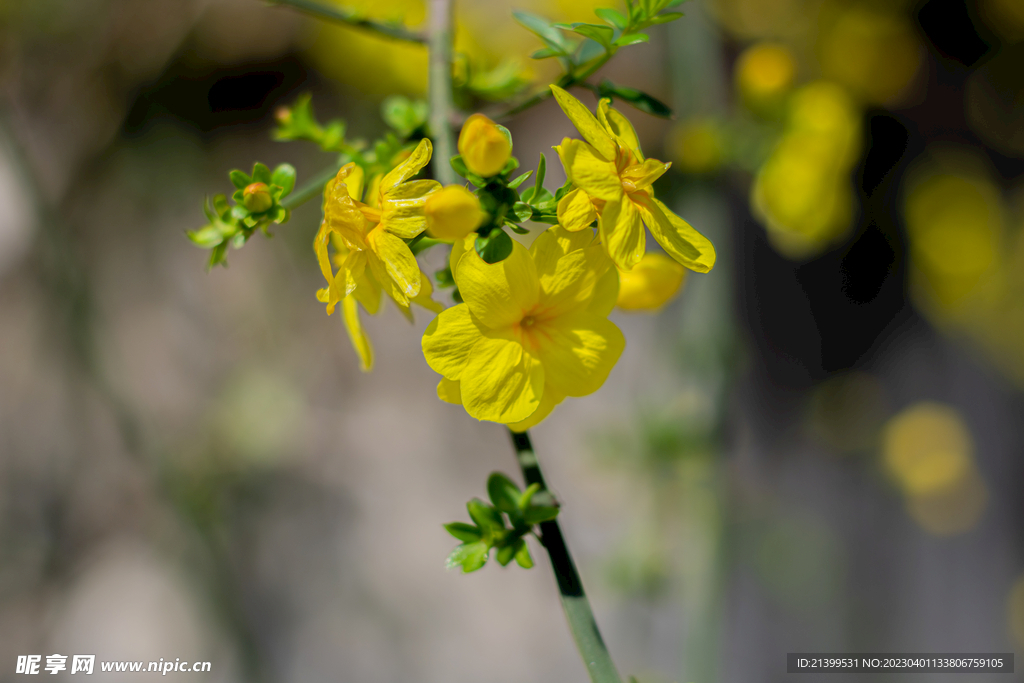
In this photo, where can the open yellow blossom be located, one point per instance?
(533, 329)
(371, 254)
(610, 168)
(651, 284)
(453, 213)
(485, 148)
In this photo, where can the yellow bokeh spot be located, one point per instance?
(874, 54)
(764, 74)
(951, 511)
(825, 110)
(697, 146)
(651, 284)
(927, 449)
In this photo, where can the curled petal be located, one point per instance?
(449, 391)
(576, 211)
(408, 168)
(588, 171)
(676, 236)
(622, 233)
(360, 342)
(398, 260)
(588, 126)
(642, 175)
(619, 127)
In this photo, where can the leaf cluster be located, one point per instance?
(500, 525)
(234, 225)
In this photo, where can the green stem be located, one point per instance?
(566, 81)
(439, 40)
(574, 601)
(352, 19)
(310, 190)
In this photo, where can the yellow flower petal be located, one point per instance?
(588, 126)
(499, 294)
(619, 127)
(606, 293)
(424, 297)
(588, 171)
(501, 381)
(559, 241)
(342, 215)
(642, 175)
(408, 168)
(676, 236)
(651, 284)
(449, 391)
(402, 207)
(459, 249)
(367, 290)
(484, 147)
(353, 177)
(398, 260)
(449, 339)
(578, 351)
(548, 402)
(576, 211)
(453, 213)
(360, 342)
(622, 233)
(568, 282)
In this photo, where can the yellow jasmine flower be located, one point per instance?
(453, 213)
(533, 329)
(371, 254)
(651, 284)
(609, 167)
(485, 148)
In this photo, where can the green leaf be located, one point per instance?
(519, 230)
(665, 18)
(596, 32)
(470, 556)
(520, 180)
(239, 179)
(444, 277)
(542, 169)
(547, 52)
(239, 212)
(485, 516)
(459, 166)
(638, 99)
(524, 500)
(589, 51)
(217, 256)
(466, 533)
(503, 492)
(632, 39)
(261, 174)
(543, 29)
(505, 554)
(535, 514)
(284, 177)
(613, 17)
(494, 248)
(523, 211)
(523, 558)
(206, 237)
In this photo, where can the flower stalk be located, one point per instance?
(439, 42)
(574, 601)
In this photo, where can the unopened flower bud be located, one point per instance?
(283, 115)
(452, 213)
(256, 197)
(484, 147)
(651, 284)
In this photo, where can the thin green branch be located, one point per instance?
(566, 81)
(574, 601)
(439, 37)
(310, 190)
(340, 16)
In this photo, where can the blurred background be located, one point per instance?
(815, 448)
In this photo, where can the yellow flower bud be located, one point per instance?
(484, 147)
(452, 213)
(256, 197)
(651, 284)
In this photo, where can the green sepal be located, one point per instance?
(523, 558)
(486, 516)
(505, 554)
(527, 496)
(459, 166)
(239, 179)
(517, 229)
(284, 177)
(495, 247)
(522, 211)
(261, 174)
(467, 533)
(217, 255)
(503, 492)
(519, 180)
(403, 114)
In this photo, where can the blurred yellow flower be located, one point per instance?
(764, 74)
(927, 448)
(452, 213)
(651, 284)
(484, 146)
(698, 145)
(611, 169)
(533, 329)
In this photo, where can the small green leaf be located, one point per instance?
(523, 558)
(217, 256)
(503, 492)
(520, 180)
(516, 228)
(665, 18)
(239, 212)
(631, 39)
(239, 179)
(543, 29)
(470, 556)
(261, 174)
(547, 52)
(494, 248)
(596, 32)
(523, 211)
(542, 169)
(486, 517)
(511, 165)
(505, 554)
(284, 177)
(613, 17)
(637, 98)
(467, 533)
(444, 277)
(524, 500)
(207, 237)
(535, 514)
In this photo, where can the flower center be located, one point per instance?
(628, 185)
(528, 321)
